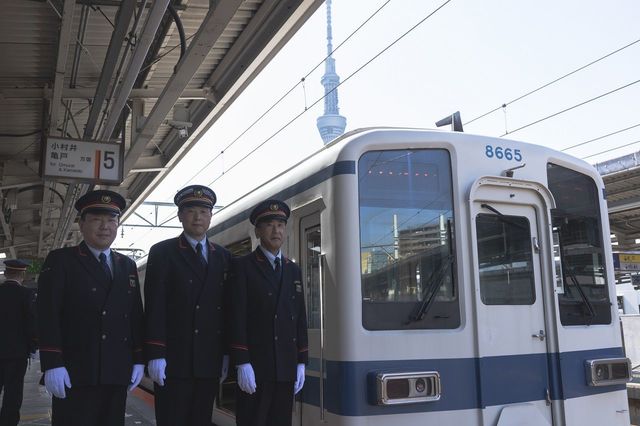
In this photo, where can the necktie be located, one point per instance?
(277, 267)
(105, 266)
(201, 258)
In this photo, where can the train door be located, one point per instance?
(508, 232)
(309, 400)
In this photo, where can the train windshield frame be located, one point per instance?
(577, 229)
(407, 246)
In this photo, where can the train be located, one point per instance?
(449, 278)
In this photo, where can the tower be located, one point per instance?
(331, 124)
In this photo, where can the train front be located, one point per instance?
(468, 281)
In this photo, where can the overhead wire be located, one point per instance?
(571, 107)
(611, 149)
(334, 89)
(600, 137)
(301, 81)
(553, 81)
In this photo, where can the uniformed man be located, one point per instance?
(90, 320)
(269, 338)
(17, 339)
(185, 294)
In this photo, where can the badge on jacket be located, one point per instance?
(132, 281)
(298, 286)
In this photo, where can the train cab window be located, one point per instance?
(406, 240)
(583, 294)
(505, 260)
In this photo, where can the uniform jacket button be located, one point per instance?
(196, 331)
(197, 306)
(294, 339)
(104, 313)
(276, 316)
(219, 307)
(94, 289)
(125, 339)
(275, 338)
(126, 315)
(104, 337)
(269, 294)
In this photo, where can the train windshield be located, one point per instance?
(577, 230)
(406, 240)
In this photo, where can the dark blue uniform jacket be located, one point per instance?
(269, 318)
(185, 308)
(87, 324)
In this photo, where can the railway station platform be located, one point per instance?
(36, 405)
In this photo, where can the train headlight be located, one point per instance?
(608, 371)
(407, 388)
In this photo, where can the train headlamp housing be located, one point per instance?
(608, 371)
(408, 388)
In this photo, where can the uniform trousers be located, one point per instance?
(12, 382)
(101, 405)
(185, 402)
(270, 405)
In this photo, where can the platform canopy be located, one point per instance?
(622, 183)
(117, 71)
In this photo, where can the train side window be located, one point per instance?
(226, 399)
(311, 251)
(505, 260)
(584, 298)
(406, 240)
(240, 248)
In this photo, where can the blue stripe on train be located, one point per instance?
(335, 169)
(350, 387)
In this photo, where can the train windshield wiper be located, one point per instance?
(581, 293)
(429, 294)
(503, 218)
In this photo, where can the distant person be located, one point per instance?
(17, 339)
(269, 324)
(185, 302)
(90, 320)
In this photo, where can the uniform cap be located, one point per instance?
(195, 195)
(101, 201)
(268, 210)
(16, 264)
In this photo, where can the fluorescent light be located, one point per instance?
(3, 255)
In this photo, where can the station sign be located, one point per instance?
(83, 161)
(626, 262)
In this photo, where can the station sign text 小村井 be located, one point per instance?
(85, 161)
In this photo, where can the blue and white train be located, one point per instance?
(450, 279)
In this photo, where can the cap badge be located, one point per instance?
(198, 193)
(106, 199)
(274, 207)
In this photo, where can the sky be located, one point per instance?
(470, 56)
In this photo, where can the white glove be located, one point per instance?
(299, 379)
(136, 376)
(55, 381)
(225, 368)
(246, 378)
(156, 370)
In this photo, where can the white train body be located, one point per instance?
(440, 290)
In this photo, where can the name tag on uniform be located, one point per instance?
(298, 286)
(132, 281)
